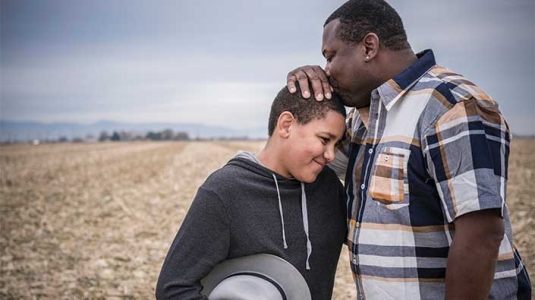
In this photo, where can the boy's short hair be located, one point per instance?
(304, 110)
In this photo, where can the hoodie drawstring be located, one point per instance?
(280, 210)
(304, 211)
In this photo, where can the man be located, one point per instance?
(425, 160)
(281, 201)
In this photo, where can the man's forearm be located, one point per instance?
(473, 255)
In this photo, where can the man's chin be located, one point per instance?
(349, 103)
(352, 101)
(347, 98)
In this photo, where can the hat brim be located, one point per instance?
(271, 266)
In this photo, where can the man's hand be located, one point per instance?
(473, 254)
(313, 74)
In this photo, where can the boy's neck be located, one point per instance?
(269, 157)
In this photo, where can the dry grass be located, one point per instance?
(94, 221)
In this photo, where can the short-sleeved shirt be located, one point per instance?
(436, 148)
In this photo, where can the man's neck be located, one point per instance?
(364, 113)
(396, 62)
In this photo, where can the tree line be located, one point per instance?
(164, 135)
(116, 136)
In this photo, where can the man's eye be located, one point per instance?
(324, 141)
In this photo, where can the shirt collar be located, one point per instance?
(392, 90)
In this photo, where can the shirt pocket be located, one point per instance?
(389, 182)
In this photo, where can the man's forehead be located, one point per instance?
(329, 32)
(330, 28)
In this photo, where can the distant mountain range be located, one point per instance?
(11, 131)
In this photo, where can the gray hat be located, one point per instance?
(259, 276)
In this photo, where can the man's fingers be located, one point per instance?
(316, 84)
(304, 86)
(298, 75)
(327, 88)
(325, 85)
(306, 77)
(301, 78)
(290, 82)
(319, 82)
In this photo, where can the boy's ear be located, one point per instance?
(284, 124)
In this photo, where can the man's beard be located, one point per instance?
(351, 100)
(348, 98)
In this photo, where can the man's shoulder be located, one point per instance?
(452, 96)
(453, 86)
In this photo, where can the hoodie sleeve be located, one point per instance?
(201, 243)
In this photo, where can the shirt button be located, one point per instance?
(354, 261)
(370, 151)
(362, 186)
(386, 157)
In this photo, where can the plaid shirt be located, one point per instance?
(436, 148)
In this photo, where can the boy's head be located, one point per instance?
(304, 110)
(304, 133)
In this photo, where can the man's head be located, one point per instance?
(360, 17)
(303, 134)
(364, 43)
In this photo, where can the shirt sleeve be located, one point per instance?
(467, 153)
(201, 243)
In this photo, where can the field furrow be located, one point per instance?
(94, 221)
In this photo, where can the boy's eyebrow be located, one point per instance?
(331, 136)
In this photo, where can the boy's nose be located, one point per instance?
(329, 154)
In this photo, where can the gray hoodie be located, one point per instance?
(245, 208)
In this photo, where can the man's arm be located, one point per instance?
(473, 254)
(467, 150)
(307, 76)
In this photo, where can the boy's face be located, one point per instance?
(311, 146)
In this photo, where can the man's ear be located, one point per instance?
(284, 124)
(371, 46)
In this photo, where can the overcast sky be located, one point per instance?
(222, 62)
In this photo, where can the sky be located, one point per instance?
(222, 62)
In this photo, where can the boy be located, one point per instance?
(282, 201)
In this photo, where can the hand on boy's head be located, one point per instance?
(306, 76)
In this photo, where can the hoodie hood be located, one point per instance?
(249, 161)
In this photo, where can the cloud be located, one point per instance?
(176, 60)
